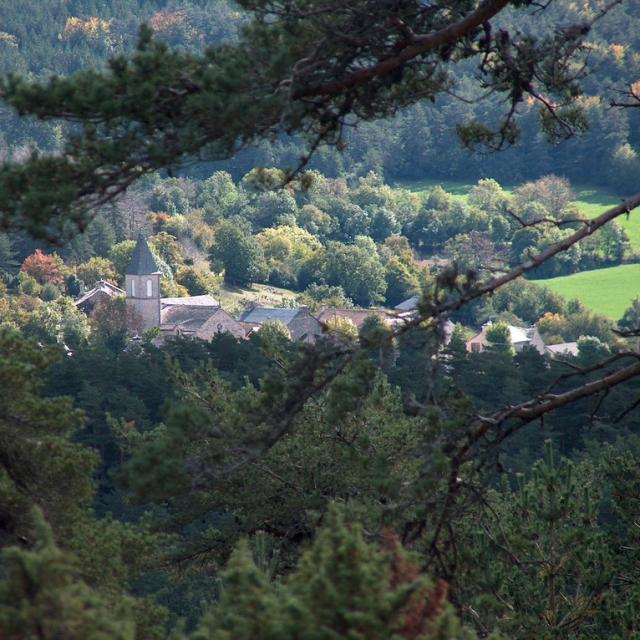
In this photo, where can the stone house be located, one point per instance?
(184, 316)
(203, 323)
(356, 316)
(521, 337)
(302, 326)
(102, 292)
(222, 322)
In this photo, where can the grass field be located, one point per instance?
(605, 291)
(235, 299)
(593, 202)
(458, 189)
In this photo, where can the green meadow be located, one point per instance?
(605, 291)
(458, 189)
(236, 299)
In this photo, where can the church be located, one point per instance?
(196, 316)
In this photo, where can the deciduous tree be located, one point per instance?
(43, 268)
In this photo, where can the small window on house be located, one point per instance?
(149, 288)
(133, 288)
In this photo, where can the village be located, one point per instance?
(203, 317)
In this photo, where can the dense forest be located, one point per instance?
(382, 478)
(40, 38)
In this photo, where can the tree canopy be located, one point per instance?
(297, 68)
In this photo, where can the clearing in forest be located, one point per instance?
(605, 291)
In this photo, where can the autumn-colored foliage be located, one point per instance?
(90, 28)
(426, 605)
(43, 268)
(158, 220)
(166, 20)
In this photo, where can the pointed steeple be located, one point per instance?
(142, 261)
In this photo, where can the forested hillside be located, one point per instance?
(43, 37)
(288, 351)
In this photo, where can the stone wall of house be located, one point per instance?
(220, 322)
(477, 343)
(99, 297)
(304, 325)
(536, 341)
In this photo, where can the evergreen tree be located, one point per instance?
(42, 595)
(343, 587)
(40, 465)
(543, 565)
(39, 462)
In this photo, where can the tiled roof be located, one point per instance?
(142, 261)
(564, 348)
(259, 315)
(518, 334)
(178, 314)
(191, 301)
(188, 312)
(357, 316)
(101, 286)
(408, 305)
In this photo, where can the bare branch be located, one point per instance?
(523, 414)
(484, 288)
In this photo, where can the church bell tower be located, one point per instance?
(142, 283)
